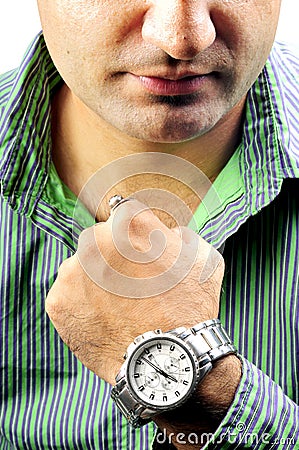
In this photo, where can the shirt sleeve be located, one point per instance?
(260, 417)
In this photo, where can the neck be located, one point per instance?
(83, 144)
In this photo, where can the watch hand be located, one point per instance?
(155, 361)
(159, 370)
(169, 376)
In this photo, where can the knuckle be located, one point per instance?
(219, 264)
(136, 226)
(88, 240)
(84, 235)
(132, 216)
(132, 226)
(142, 218)
(67, 269)
(65, 276)
(52, 304)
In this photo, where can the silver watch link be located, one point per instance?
(162, 370)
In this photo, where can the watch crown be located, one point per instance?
(125, 355)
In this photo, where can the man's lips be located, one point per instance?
(169, 87)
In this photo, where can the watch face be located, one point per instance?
(162, 372)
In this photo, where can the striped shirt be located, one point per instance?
(48, 399)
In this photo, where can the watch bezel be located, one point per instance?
(195, 366)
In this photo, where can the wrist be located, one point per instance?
(203, 412)
(218, 388)
(214, 394)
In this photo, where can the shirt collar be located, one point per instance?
(267, 155)
(25, 131)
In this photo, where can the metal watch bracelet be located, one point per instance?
(208, 340)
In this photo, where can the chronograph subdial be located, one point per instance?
(152, 379)
(172, 365)
(168, 384)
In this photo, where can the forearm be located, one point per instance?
(203, 414)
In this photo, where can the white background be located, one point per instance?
(19, 23)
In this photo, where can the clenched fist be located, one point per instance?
(129, 275)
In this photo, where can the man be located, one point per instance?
(192, 80)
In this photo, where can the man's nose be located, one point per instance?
(182, 28)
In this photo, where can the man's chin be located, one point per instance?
(173, 132)
(177, 122)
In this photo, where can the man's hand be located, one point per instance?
(129, 275)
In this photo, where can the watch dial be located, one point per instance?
(161, 372)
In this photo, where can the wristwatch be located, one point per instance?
(162, 370)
